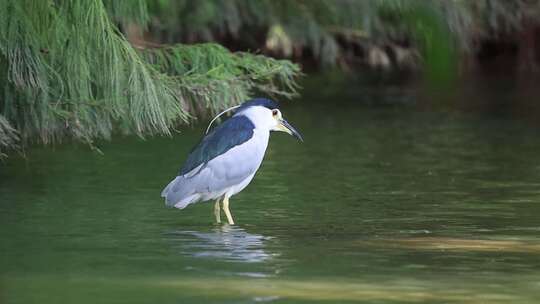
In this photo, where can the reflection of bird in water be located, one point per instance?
(226, 242)
(226, 159)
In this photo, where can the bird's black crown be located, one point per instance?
(263, 102)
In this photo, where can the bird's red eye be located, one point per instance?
(274, 112)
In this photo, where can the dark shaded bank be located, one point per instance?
(387, 34)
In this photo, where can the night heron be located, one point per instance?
(227, 158)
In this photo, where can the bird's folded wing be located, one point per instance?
(233, 132)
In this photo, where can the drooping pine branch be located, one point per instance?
(67, 71)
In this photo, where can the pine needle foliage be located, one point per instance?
(67, 71)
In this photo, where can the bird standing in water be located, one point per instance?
(227, 158)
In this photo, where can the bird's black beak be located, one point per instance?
(286, 127)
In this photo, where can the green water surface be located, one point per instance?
(382, 203)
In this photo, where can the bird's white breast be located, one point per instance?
(258, 146)
(232, 171)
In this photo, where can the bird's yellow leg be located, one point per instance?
(217, 212)
(227, 211)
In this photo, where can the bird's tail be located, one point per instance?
(168, 187)
(175, 196)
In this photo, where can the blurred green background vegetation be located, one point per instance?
(83, 70)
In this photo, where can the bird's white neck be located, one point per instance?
(261, 117)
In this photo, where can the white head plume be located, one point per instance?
(225, 111)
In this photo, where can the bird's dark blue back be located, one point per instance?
(233, 132)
